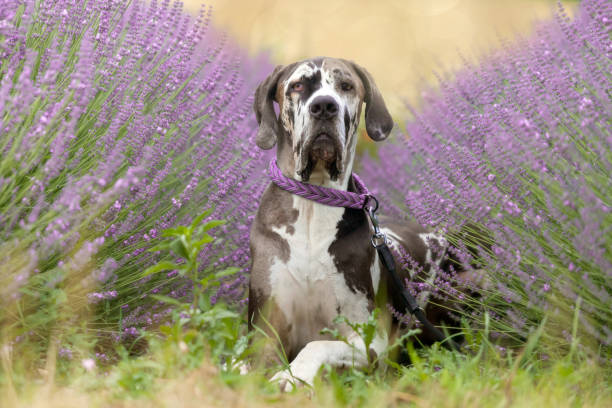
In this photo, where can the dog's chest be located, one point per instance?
(308, 288)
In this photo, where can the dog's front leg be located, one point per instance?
(337, 354)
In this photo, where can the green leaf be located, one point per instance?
(159, 247)
(334, 333)
(227, 272)
(167, 299)
(213, 224)
(176, 232)
(179, 246)
(218, 275)
(200, 217)
(201, 242)
(160, 266)
(241, 345)
(219, 313)
(369, 331)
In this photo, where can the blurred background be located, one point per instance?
(401, 42)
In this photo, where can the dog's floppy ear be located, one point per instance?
(378, 120)
(264, 110)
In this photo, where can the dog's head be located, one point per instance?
(320, 104)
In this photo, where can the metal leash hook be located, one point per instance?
(378, 238)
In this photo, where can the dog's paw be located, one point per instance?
(288, 381)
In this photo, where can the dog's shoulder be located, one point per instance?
(275, 210)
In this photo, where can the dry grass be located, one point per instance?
(204, 388)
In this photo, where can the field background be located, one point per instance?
(117, 184)
(401, 42)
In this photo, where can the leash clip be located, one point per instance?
(367, 199)
(378, 238)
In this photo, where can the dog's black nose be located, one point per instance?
(323, 107)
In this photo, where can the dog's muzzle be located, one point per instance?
(323, 148)
(325, 145)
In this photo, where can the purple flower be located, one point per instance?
(65, 353)
(516, 150)
(138, 125)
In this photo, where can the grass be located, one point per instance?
(438, 377)
(185, 363)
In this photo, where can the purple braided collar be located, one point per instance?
(322, 195)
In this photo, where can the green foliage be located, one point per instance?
(215, 326)
(486, 375)
(134, 376)
(367, 331)
(185, 243)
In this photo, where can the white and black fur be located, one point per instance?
(312, 262)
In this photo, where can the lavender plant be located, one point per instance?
(119, 120)
(512, 158)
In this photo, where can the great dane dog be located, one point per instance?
(312, 262)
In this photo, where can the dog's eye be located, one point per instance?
(346, 86)
(297, 87)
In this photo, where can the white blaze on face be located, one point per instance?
(329, 88)
(299, 123)
(296, 109)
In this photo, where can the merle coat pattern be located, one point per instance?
(311, 262)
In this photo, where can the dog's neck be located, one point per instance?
(319, 175)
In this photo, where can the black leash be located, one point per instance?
(408, 302)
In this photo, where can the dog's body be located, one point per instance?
(313, 262)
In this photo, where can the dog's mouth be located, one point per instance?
(323, 148)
